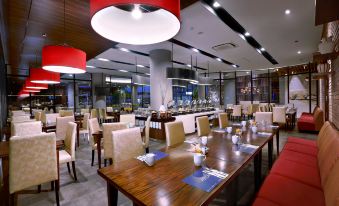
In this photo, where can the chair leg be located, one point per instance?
(69, 169)
(110, 161)
(92, 157)
(105, 162)
(39, 188)
(52, 186)
(74, 171)
(147, 150)
(12, 199)
(57, 193)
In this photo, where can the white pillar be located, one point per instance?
(161, 87)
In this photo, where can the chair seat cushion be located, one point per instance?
(286, 192)
(298, 172)
(299, 158)
(302, 141)
(264, 202)
(306, 123)
(83, 131)
(64, 157)
(305, 149)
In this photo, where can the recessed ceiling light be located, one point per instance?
(102, 59)
(262, 49)
(70, 75)
(247, 34)
(141, 66)
(195, 50)
(148, 74)
(136, 13)
(235, 66)
(218, 59)
(188, 65)
(216, 5)
(242, 36)
(287, 11)
(247, 72)
(89, 66)
(258, 50)
(123, 70)
(124, 49)
(299, 52)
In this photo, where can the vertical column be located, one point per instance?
(161, 87)
(201, 92)
(99, 100)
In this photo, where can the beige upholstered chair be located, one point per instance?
(107, 129)
(93, 126)
(223, 120)
(49, 118)
(26, 128)
(109, 109)
(101, 113)
(147, 130)
(66, 113)
(61, 126)
(264, 116)
(33, 161)
(68, 154)
(229, 106)
(126, 144)
(17, 113)
(84, 129)
(37, 115)
(94, 113)
(84, 111)
(20, 118)
(203, 126)
(128, 118)
(237, 112)
(106, 117)
(279, 115)
(175, 133)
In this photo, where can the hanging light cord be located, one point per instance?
(64, 22)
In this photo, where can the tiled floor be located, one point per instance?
(90, 189)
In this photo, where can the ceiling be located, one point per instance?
(281, 35)
(264, 19)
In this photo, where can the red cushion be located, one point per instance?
(302, 141)
(304, 149)
(263, 202)
(285, 191)
(306, 114)
(299, 158)
(298, 172)
(306, 126)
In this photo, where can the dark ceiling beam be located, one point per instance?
(326, 11)
(186, 3)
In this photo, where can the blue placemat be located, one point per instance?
(203, 181)
(159, 155)
(249, 149)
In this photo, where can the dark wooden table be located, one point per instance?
(4, 156)
(139, 182)
(291, 115)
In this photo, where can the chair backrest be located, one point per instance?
(49, 118)
(20, 118)
(85, 121)
(229, 106)
(147, 130)
(203, 126)
(37, 115)
(127, 144)
(32, 160)
(128, 118)
(279, 115)
(319, 118)
(71, 133)
(107, 129)
(93, 126)
(223, 120)
(175, 133)
(109, 109)
(17, 113)
(84, 111)
(264, 116)
(236, 110)
(322, 134)
(253, 108)
(66, 113)
(61, 126)
(94, 113)
(26, 128)
(102, 113)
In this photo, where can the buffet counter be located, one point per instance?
(189, 120)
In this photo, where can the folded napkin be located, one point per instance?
(247, 148)
(158, 155)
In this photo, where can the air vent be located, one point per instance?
(225, 46)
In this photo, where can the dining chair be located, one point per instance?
(20, 118)
(223, 120)
(17, 113)
(84, 111)
(26, 128)
(68, 154)
(279, 115)
(109, 109)
(101, 113)
(33, 161)
(229, 106)
(261, 117)
(107, 118)
(61, 126)
(107, 129)
(66, 113)
(236, 112)
(175, 133)
(49, 118)
(93, 127)
(37, 115)
(84, 129)
(126, 144)
(129, 119)
(147, 131)
(94, 113)
(203, 126)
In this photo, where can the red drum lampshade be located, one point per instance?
(30, 90)
(23, 94)
(63, 59)
(40, 76)
(137, 22)
(30, 85)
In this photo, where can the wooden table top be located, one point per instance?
(138, 182)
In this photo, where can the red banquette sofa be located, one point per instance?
(311, 122)
(305, 174)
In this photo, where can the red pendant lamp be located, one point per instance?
(30, 85)
(30, 90)
(63, 59)
(23, 94)
(137, 22)
(40, 76)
